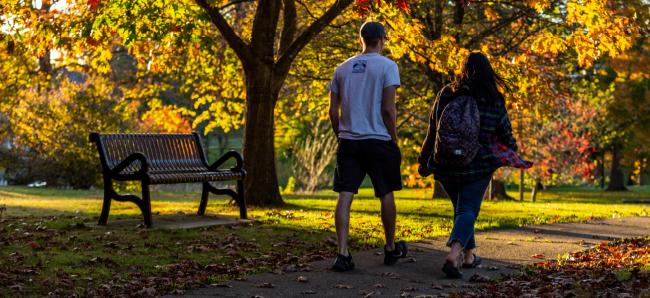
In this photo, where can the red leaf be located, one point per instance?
(35, 246)
(93, 4)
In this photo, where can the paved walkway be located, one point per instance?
(503, 251)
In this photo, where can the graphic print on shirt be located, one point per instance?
(359, 66)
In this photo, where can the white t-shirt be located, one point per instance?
(360, 82)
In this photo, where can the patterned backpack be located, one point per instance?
(457, 132)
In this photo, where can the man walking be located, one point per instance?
(362, 111)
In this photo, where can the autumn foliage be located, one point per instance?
(577, 72)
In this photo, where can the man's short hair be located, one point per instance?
(372, 33)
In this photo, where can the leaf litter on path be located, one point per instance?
(615, 269)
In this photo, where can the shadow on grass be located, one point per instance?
(428, 215)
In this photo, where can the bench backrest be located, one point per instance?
(164, 152)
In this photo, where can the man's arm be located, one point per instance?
(389, 111)
(335, 107)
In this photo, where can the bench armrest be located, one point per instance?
(230, 154)
(144, 166)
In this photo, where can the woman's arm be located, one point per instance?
(430, 139)
(504, 131)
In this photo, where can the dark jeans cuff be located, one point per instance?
(455, 239)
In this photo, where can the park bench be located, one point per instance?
(163, 159)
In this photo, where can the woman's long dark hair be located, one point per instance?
(483, 82)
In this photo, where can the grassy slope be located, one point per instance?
(43, 226)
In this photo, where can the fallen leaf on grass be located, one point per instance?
(146, 292)
(538, 256)
(35, 246)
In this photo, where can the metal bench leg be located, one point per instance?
(146, 204)
(106, 207)
(204, 198)
(241, 200)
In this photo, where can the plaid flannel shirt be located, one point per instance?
(498, 144)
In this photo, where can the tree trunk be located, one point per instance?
(261, 184)
(601, 169)
(499, 190)
(439, 191)
(616, 177)
(642, 169)
(521, 184)
(538, 186)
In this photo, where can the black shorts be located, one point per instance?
(379, 159)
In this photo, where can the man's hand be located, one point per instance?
(389, 111)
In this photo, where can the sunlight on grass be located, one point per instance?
(418, 215)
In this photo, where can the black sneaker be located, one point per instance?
(343, 263)
(390, 257)
(451, 271)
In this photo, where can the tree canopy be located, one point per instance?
(576, 72)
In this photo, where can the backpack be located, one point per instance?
(457, 131)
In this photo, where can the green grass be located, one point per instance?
(47, 233)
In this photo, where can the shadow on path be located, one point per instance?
(503, 251)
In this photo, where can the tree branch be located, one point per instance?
(284, 63)
(502, 24)
(289, 27)
(307, 9)
(238, 45)
(233, 3)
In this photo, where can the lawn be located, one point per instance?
(49, 245)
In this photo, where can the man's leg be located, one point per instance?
(388, 217)
(348, 176)
(342, 221)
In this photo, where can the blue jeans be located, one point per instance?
(466, 198)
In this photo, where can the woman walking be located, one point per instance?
(469, 137)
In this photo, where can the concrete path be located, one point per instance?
(503, 251)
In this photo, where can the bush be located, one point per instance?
(49, 132)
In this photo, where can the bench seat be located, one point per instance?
(163, 159)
